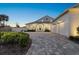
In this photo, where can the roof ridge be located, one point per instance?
(42, 18)
(65, 11)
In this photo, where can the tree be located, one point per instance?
(3, 19)
(17, 25)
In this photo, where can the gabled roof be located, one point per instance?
(45, 19)
(66, 11)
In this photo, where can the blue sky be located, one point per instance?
(23, 13)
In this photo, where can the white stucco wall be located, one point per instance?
(62, 25)
(74, 23)
(37, 26)
(54, 28)
(69, 25)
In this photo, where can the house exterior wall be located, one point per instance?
(69, 24)
(74, 22)
(39, 26)
(0, 24)
(62, 25)
(55, 28)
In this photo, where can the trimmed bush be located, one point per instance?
(47, 30)
(14, 37)
(30, 30)
(74, 37)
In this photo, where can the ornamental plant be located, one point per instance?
(14, 37)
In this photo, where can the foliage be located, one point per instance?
(30, 30)
(47, 30)
(17, 25)
(74, 37)
(14, 37)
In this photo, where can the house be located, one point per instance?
(6, 28)
(41, 25)
(67, 22)
(19, 29)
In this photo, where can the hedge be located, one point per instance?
(74, 37)
(14, 37)
(30, 30)
(47, 30)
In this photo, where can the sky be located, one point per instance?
(22, 13)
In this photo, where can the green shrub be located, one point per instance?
(74, 37)
(14, 37)
(30, 30)
(47, 30)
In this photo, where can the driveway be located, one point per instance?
(46, 43)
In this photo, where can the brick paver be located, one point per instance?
(46, 43)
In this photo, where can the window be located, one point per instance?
(46, 18)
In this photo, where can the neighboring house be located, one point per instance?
(20, 29)
(41, 25)
(0, 24)
(68, 22)
(6, 28)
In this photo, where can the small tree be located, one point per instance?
(3, 19)
(17, 25)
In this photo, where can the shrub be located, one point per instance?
(30, 30)
(74, 37)
(14, 37)
(47, 30)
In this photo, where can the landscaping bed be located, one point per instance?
(47, 30)
(31, 31)
(74, 39)
(14, 43)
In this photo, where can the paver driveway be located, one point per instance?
(46, 43)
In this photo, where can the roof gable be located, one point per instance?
(66, 11)
(45, 19)
(76, 6)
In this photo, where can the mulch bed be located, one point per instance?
(14, 49)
